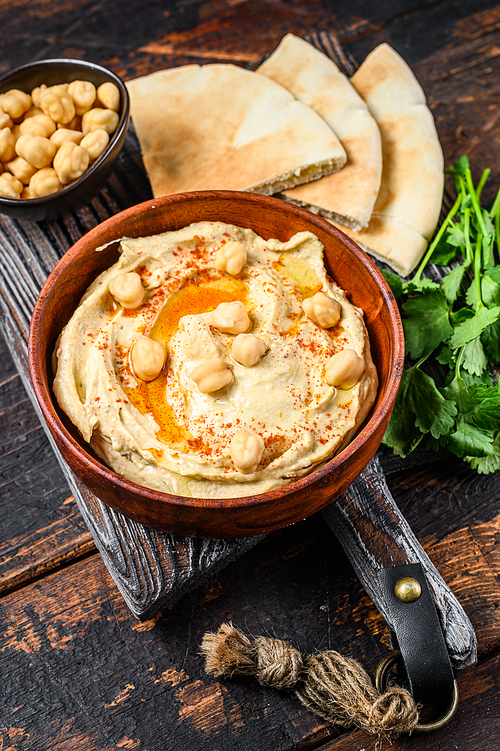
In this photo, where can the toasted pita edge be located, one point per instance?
(395, 97)
(315, 79)
(391, 241)
(249, 138)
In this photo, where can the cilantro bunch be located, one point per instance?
(448, 396)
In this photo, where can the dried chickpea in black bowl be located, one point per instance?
(62, 126)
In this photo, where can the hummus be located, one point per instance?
(215, 422)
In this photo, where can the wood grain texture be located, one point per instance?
(22, 276)
(78, 671)
(71, 644)
(376, 536)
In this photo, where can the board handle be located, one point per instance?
(375, 536)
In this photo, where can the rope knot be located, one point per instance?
(273, 662)
(394, 712)
(336, 688)
(279, 665)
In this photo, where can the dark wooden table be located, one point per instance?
(77, 670)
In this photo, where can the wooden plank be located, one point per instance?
(96, 678)
(41, 528)
(77, 671)
(32, 555)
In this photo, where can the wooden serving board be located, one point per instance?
(152, 569)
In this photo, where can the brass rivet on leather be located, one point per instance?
(407, 589)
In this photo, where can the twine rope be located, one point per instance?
(336, 688)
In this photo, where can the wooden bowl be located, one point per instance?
(81, 191)
(269, 217)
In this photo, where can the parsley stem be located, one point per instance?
(481, 182)
(468, 247)
(475, 202)
(496, 205)
(477, 272)
(458, 362)
(437, 238)
(497, 230)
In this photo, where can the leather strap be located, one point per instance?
(415, 630)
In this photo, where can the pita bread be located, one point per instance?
(347, 196)
(407, 208)
(223, 127)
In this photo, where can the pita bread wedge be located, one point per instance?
(407, 208)
(348, 196)
(223, 127)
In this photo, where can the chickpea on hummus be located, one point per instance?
(209, 362)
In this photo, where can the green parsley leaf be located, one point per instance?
(394, 281)
(438, 417)
(446, 356)
(426, 324)
(467, 440)
(444, 252)
(490, 338)
(490, 291)
(474, 326)
(486, 464)
(402, 434)
(422, 285)
(485, 408)
(460, 167)
(452, 283)
(474, 358)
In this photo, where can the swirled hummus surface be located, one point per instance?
(181, 433)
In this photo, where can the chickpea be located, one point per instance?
(37, 150)
(127, 290)
(83, 94)
(5, 120)
(100, 118)
(70, 162)
(57, 104)
(95, 142)
(344, 369)
(248, 349)
(10, 186)
(74, 124)
(7, 145)
(108, 95)
(21, 169)
(212, 375)
(246, 450)
(63, 135)
(32, 112)
(15, 103)
(231, 257)
(37, 93)
(38, 125)
(148, 358)
(231, 318)
(322, 310)
(44, 182)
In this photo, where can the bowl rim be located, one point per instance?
(122, 125)
(373, 421)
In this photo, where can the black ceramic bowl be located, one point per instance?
(81, 191)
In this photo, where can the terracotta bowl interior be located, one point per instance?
(269, 217)
(81, 191)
